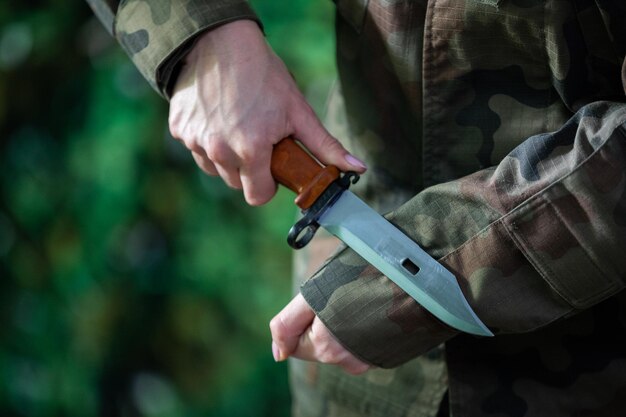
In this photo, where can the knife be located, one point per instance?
(324, 198)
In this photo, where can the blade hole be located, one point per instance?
(410, 266)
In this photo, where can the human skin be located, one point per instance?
(233, 100)
(298, 332)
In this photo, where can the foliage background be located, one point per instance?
(131, 284)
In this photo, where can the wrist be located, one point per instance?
(229, 38)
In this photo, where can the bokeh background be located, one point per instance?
(130, 283)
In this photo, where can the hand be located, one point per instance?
(233, 100)
(298, 332)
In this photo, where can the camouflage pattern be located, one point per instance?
(413, 389)
(494, 132)
(508, 129)
(157, 34)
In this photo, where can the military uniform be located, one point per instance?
(495, 133)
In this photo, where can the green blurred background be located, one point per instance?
(130, 283)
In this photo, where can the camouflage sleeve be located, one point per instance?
(535, 239)
(157, 34)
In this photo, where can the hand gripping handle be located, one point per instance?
(294, 168)
(317, 186)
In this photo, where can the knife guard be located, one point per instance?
(303, 231)
(317, 186)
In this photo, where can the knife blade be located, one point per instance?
(323, 195)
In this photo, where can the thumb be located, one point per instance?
(288, 325)
(309, 131)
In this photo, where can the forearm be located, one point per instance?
(532, 240)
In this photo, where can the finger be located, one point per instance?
(310, 131)
(230, 176)
(354, 366)
(288, 325)
(203, 162)
(226, 162)
(319, 345)
(256, 178)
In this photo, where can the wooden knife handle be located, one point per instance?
(294, 168)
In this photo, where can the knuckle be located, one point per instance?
(324, 349)
(174, 127)
(217, 151)
(192, 144)
(277, 327)
(182, 135)
(246, 147)
(330, 143)
(175, 123)
(247, 155)
(317, 338)
(328, 355)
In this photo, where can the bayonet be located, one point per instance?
(323, 195)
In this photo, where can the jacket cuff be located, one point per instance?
(157, 35)
(355, 301)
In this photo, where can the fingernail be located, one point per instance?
(275, 352)
(355, 162)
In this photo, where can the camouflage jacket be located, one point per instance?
(157, 34)
(502, 125)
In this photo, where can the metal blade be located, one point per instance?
(401, 260)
